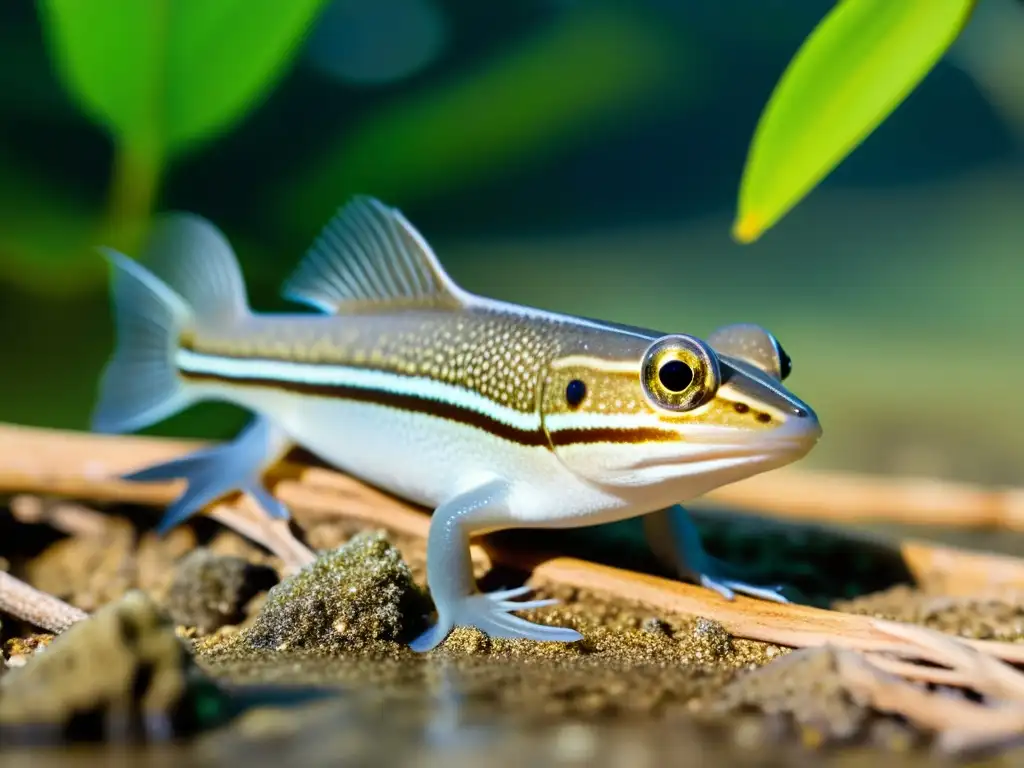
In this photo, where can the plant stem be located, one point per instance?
(135, 183)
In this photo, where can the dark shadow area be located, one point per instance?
(817, 564)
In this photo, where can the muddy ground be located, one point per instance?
(201, 647)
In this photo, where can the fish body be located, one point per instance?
(493, 414)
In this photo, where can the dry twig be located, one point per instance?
(959, 722)
(846, 497)
(62, 515)
(27, 603)
(962, 725)
(31, 464)
(877, 660)
(246, 519)
(988, 675)
(83, 465)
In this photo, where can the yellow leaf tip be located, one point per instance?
(748, 228)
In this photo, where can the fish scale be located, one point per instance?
(494, 415)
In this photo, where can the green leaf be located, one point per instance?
(855, 68)
(162, 75)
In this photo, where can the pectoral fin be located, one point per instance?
(222, 469)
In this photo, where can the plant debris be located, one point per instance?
(121, 674)
(25, 602)
(661, 650)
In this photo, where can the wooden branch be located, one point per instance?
(960, 723)
(245, 518)
(964, 726)
(781, 623)
(27, 603)
(846, 497)
(990, 676)
(83, 465)
(876, 659)
(837, 497)
(919, 672)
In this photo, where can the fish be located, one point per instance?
(494, 415)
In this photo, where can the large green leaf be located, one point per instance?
(164, 74)
(854, 69)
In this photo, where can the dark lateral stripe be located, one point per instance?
(445, 410)
(400, 401)
(577, 435)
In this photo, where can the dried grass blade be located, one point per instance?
(990, 676)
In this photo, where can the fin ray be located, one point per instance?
(139, 385)
(190, 280)
(194, 258)
(370, 258)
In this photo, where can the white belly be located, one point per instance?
(429, 460)
(420, 458)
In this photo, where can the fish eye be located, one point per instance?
(575, 391)
(679, 373)
(785, 364)
(675, 375)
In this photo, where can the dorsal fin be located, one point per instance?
(370, 258)
(754, 345)
(195, 259)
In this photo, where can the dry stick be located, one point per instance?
(77, 464)
(30, 455)
(85, 465)
(990, 676)
(995, 726)
(61, 514)
(783, 624)
(980, 724)
(27, 603)
(246, 518)
(846, 497)
(961, 572)
(920, 673)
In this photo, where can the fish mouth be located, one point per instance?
(713, 444)
(797, 432)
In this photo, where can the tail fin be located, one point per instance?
(195, 284)
(140, 385)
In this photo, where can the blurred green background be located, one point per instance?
(578, 156)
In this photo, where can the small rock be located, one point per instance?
(655, 626)
(466, 641)
(210, 591)
(805, 687)
(353, 598)
(122, 674)
(708, 642)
